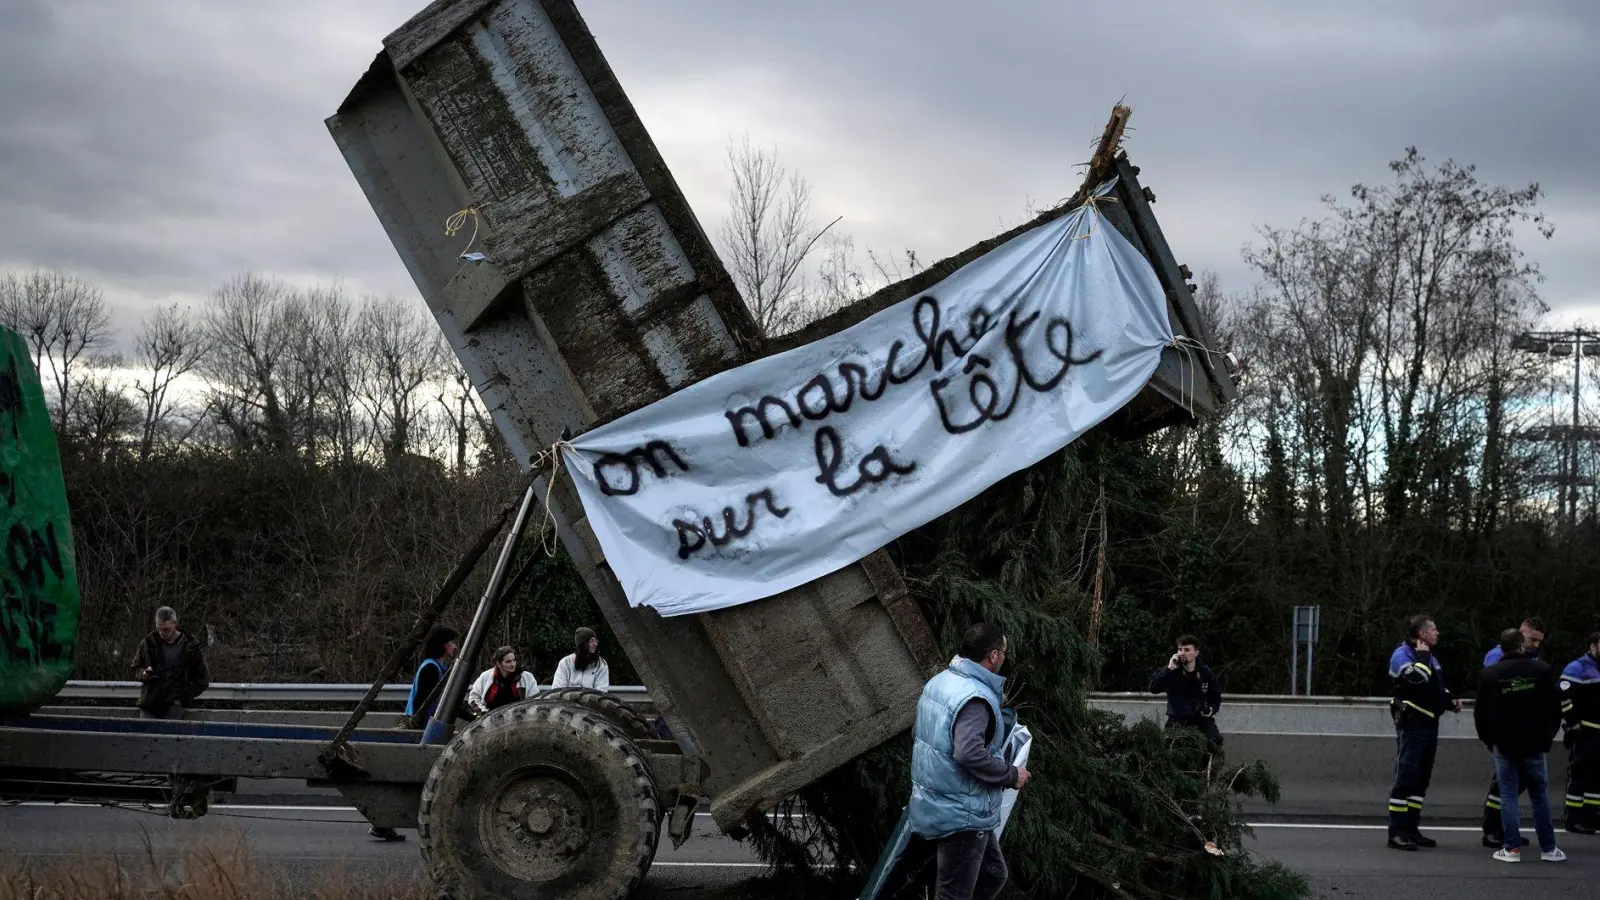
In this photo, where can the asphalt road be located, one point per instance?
(311, 846)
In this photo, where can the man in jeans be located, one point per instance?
(1533, 632)
(1517, 715)
(958, 770)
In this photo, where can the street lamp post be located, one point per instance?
(1577, 343)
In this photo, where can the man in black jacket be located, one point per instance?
(171, 668)
(1517, 714)
(1193, 696)
(1418, 699)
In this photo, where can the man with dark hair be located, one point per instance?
(959, 771)
(1580, 716)
(1193, 695)
(171, 668)
(1418, 698)
(1533, 633)
(1517, 715)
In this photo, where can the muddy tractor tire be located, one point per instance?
(538, 801)
(621, 714)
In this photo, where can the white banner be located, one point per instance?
(765, 477)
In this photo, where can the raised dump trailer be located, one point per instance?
(575, 285)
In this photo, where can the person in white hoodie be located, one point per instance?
(502, 684)
(586, 668)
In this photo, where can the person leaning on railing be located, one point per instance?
(502, 684)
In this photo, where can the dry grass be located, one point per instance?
(215, 869)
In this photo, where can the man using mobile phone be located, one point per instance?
(1193, 695)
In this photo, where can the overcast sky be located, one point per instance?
(157, 146)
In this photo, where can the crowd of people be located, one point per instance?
(505, 681)
(170, 666)
(1520, 706)
(959, 772)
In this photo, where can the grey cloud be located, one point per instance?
(161, 146)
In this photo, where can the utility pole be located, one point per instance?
(1577, 343)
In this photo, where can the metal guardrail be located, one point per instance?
(283, 693)
(396, 693)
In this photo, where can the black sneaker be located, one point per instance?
(1580, 828)
(1401, 842)
(1427, 843)
(1493, 840)
(386, 834)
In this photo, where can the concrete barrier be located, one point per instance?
(1333, 756)
(1335, 761)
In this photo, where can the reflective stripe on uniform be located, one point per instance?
(1397, 804)
(1423, 711)
(1492, 803)
(1574, 800)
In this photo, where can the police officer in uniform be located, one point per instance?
(1419, 698)
(1579, 687)
(1533, 632)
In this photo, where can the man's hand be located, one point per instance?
(147, 674)
(1022, 776)
(1456, 704)
(1173, 662)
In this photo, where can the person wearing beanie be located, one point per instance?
(585, 667)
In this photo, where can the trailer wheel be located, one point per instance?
(537, 801)
(618, 710)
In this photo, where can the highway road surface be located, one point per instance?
(309, 846)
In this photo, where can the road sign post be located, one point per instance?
(1307, 626)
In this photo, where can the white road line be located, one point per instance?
(1330, 826)
(709, 865)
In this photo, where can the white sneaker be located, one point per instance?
(1553, 856)
(1505, 855)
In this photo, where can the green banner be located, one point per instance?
(39, 576)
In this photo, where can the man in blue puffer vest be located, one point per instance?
(958, 772)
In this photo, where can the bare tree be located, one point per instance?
(401, 352)
(246, 327)
(328, 364)
(103, 415)
(467, 422)
(767, 236)
(62, 317)
(169, 346)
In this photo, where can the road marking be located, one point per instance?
(709, 865)
(1330, 826)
